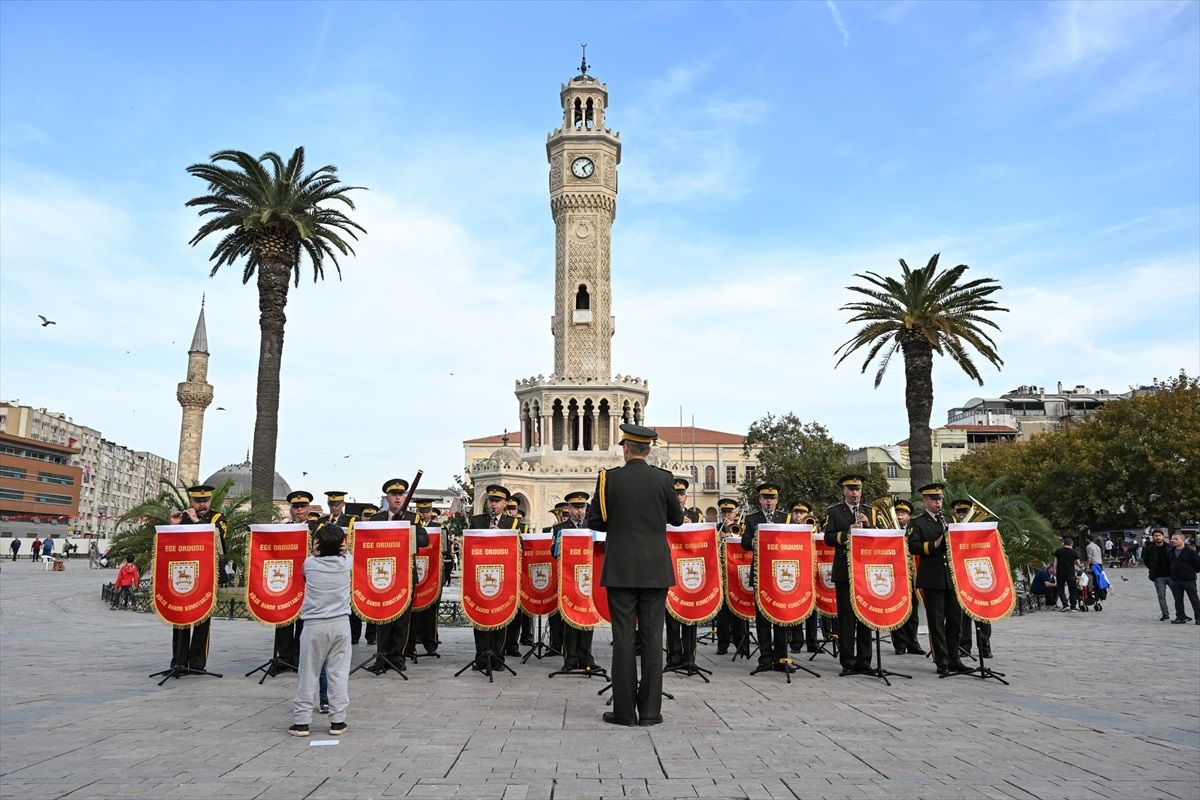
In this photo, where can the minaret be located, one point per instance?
(583, 157)
(195, 395)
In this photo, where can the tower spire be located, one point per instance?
(194, 395)
(200, 337)
(583, 65)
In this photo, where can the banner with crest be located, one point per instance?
(427, 577)
(880, 587)
(599, 593)
(381, 574)
(696, 558)
(539, 575)
(823, 582)
(783, 572)
(491, 570)
(185, 573)
(982, 578)
(739, 586)
(578, 578)
(275, 572)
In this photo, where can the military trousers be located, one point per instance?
(287, 644)
(905, 638)
(772, 640)
(944, 616)
(681, 642)
(189, 646)
(637, 620)
(983, 632)
(854, 638)
(391, 639)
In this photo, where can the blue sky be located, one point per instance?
(771, 151)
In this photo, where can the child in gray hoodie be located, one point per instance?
(325, 639)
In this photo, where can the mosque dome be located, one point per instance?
(240, 475)
(505, 455)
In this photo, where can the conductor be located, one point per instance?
(634, 503)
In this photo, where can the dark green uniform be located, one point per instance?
(576, 645)
(491, 640)
(681, 638)
(772, 639)
(942, 611)
(189, 646)
(854, 638)
(344, 521)
(730, 627)
(391, 639)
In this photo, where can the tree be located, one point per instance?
(805, 461)
(1027, 535)
(922, 313)
(272, 219)
(135, 532)
(1130, 464)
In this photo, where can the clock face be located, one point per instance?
(582, 167)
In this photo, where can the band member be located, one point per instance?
(904, 638)
(189, 646)
(336, 501)
(520, 630)
(634, 504)
(681, 639)
(559, 513)
(391, 638)
(854, 638)
(554, 620)
(799, 636)
(424, 628)
(447, 558)
(730, 627)
(927, 539)
(772, 639)
(494, 517)
(983, 630)
(576, 644)
(287, 637)
(368, 511)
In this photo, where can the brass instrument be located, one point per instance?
(885, 508)
(736, 527)
(979, 512)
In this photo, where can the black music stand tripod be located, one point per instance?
(486, 662)
(271, 667)
(379, 664)
(179, 672)
(743, 648)
(827, 644)
(982, 672)
(540, 649)
(878, 671)
(609, 701)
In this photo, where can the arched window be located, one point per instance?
(578, 113)
(582, 300)
(710, 479)
(589, 121)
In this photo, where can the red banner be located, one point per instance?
(695, 556)
(491, 566)
(739, 589)
(979, 565)
(880, 587)
(539, 575)
(185, 573)
(599, 593)
(823, 580)
(275, 572)
(578, 579)
(381, 576)
(783, 572)
(427, 578)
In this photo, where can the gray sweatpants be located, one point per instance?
(323, 643)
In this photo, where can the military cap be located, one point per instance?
(369, 511)
(681, 484)
(497, 492)
(767, 489)
(852, 481)
(300, 498)
(903, 504)
(512, 503)
(577, 497)
(933, 490)
(801, 506)
(961, 504)
(395, 485)
(636, 433)
(560, 505)
(424, 503)
(200, 492)
(727, 504)
(336, 496)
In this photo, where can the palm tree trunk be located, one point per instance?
(273, 279)
(918, 399)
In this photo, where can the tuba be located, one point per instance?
(979, 512)
(885, 509)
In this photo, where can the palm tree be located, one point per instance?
(1028, 536)
(922, 313)
(272, 218)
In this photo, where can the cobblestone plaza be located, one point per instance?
(1100, 705)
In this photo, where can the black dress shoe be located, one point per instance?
(846, 671)
(646, 722)
(512, 651)
(943, 670)
(985, 653)
(900, 651)
(796, 648)
(527, 641)
(613, 719)
(916, 651)
(722, 651)
(958, 666)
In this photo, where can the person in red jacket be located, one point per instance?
(127, 580)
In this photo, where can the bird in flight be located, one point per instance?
(303, 473)
(45, 321)
(345, 456)
(220, 408)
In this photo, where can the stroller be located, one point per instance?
(1093, 588)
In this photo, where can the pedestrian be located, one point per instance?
(325, 635)
(15, 546)
(93, 555)
(47, 548)
(1184, 565)
(127, 580)
(1065, 558)
(36, 553)
(1094, 555)
(1156, 557)
(634, 503)
(1045, 584)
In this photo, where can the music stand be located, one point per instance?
(489, 662)
(789, 667)
(689, 668)
(709, 636)
(743, 649)
(609, 701)
(179, 672)
(878, 671)
(540, 649)
(381, 665)
(982, 672)
(271, 667)
(591, 671)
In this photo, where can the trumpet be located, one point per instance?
(885, 508)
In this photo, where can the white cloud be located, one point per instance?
(837, 20)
